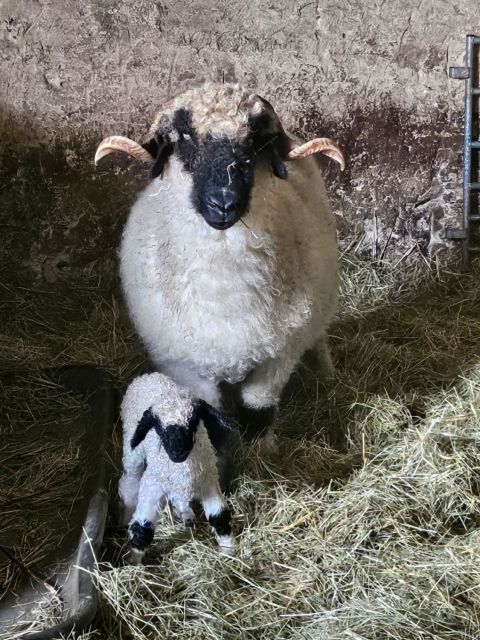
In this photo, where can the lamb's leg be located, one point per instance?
(185, 512)
(129, 485)
(202, 387)
(219, 516)
(151, 500)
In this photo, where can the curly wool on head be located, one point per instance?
(221, 110)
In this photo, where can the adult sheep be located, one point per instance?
(228, 261)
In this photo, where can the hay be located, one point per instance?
(39, 476)
(43, 464)
(377, 540)
(365, 524)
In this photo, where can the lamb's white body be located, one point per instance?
(150, 478)
(216, 305)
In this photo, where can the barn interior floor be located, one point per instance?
(365, 523)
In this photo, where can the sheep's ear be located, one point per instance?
(147, 421)
(215, 423)
(209, 414)
(160, 149)
(327, 146)
(279, 168)
(289, 149)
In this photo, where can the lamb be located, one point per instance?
(229, 259)
(170, 445)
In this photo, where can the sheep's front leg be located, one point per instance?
(219, 516)
(260, 395)
(262, 389)
(151, 499)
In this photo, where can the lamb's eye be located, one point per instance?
(187, 136)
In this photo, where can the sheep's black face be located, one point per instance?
(222, 183)
(222, 169)
(222, 175)
(178, 441)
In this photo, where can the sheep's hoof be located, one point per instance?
(255, 422)
(141, 535)
(268, 445)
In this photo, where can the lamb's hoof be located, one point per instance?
(134, 557)
(227, 545)
(141, 535)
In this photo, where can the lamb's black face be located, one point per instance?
(222, 169)
(178, 441)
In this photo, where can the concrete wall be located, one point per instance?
(371, 74)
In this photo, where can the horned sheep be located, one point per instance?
(229, 258)
(170, 454)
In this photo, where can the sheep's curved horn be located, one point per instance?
(326, 146)
(120, 143)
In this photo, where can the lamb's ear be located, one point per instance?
(215, 422)
(209, 414)
(147, 421)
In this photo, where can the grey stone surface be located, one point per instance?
(371, 74)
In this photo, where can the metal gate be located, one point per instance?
(467, 73)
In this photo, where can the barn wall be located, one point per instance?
(372, 75)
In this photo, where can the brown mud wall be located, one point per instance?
(373, 75)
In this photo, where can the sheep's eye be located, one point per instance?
(187, 136)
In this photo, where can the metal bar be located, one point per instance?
(475, 144)
(474, 186)
(467, 143)
(475, 39)
(475, 218)
(475, 92)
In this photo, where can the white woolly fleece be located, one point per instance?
(195, 479)
(172, 403)
(215, 305)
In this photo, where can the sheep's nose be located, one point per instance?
(224, 201)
